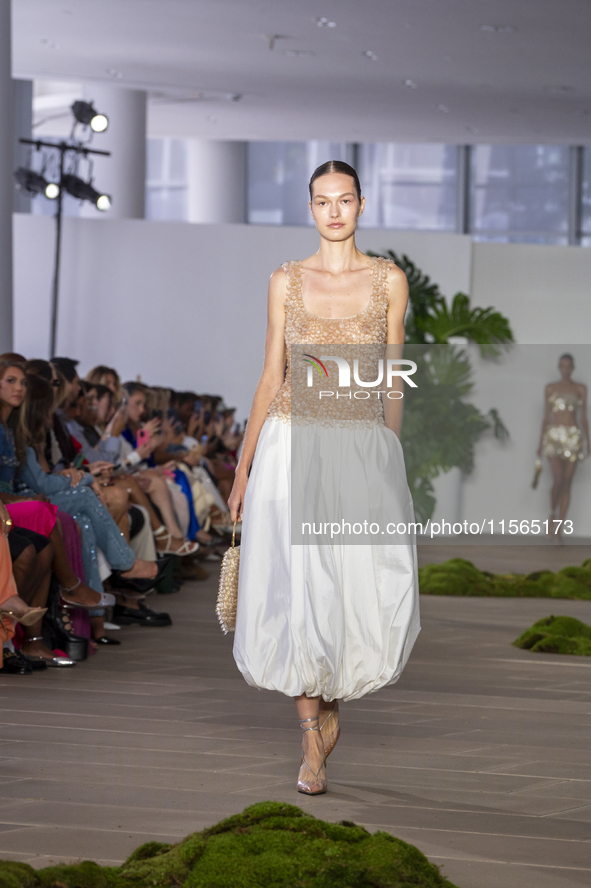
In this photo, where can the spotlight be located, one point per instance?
(34, 183)
(82, 190)
(85, 113)
(52, 190)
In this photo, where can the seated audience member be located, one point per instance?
(144, 488)
(106, 376)
(31, 555)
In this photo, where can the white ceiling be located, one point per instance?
(478, 70)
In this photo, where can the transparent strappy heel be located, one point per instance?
(330, 729)
(310, 782)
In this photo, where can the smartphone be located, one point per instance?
(156, 414)
(123, 402)
(143, 437)
(78, 460)
(207, 417)
(198, 405)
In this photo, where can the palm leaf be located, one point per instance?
(484, 326)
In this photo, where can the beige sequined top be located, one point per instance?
(360, 339)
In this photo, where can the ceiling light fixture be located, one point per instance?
(325, 23)
(370, 55)
(443, 108)
(498, 29)
(113, 72)
(299, 53)
(410, 83)
(559, 89)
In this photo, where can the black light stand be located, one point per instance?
(63, 148)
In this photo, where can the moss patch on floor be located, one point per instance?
(461, 577)
(557, 635)
(269, 844)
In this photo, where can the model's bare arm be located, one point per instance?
(269, 384)
(546, 419)
(397, 302)
(584, 423)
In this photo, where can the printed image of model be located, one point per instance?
(565, 436)
(323, 623)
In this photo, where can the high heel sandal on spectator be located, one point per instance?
(59, 629)
(330, 729)
(106, 599)
(165, 536)
(313, 783)
(49, 661)
(31, 616)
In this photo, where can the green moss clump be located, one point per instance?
(270, 844)
(461, 577)
(557, 635)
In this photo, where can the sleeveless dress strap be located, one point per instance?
(294, 280)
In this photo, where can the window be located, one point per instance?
(278, 176)
(408, 186)
(586, 200)
(520, 193)
(166, 180)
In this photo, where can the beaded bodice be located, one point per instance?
(361, 337)
(560, 401)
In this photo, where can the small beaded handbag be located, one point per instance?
(228, 589)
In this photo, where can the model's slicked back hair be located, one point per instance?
(336, 166)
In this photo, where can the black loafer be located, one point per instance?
(142, 616)
(105, 640)
(14, 664)
(139, 584)
(162, 615)
(37, 664)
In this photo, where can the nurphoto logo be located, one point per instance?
(394, 370)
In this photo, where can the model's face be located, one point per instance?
(335, 206)
(13, 387)
(565, 367)
(136, 406)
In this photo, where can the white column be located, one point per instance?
(6, 180)
(217, 182)
(22, 97)
(123, 175)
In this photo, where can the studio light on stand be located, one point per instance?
(62, 158)
(34, 183)
(86, 114)
(82, 190)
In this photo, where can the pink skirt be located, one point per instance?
(36, 516)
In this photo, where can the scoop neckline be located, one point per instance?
(347, 317)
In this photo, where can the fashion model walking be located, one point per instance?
(334, 621)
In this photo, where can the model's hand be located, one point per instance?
(236, 498)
